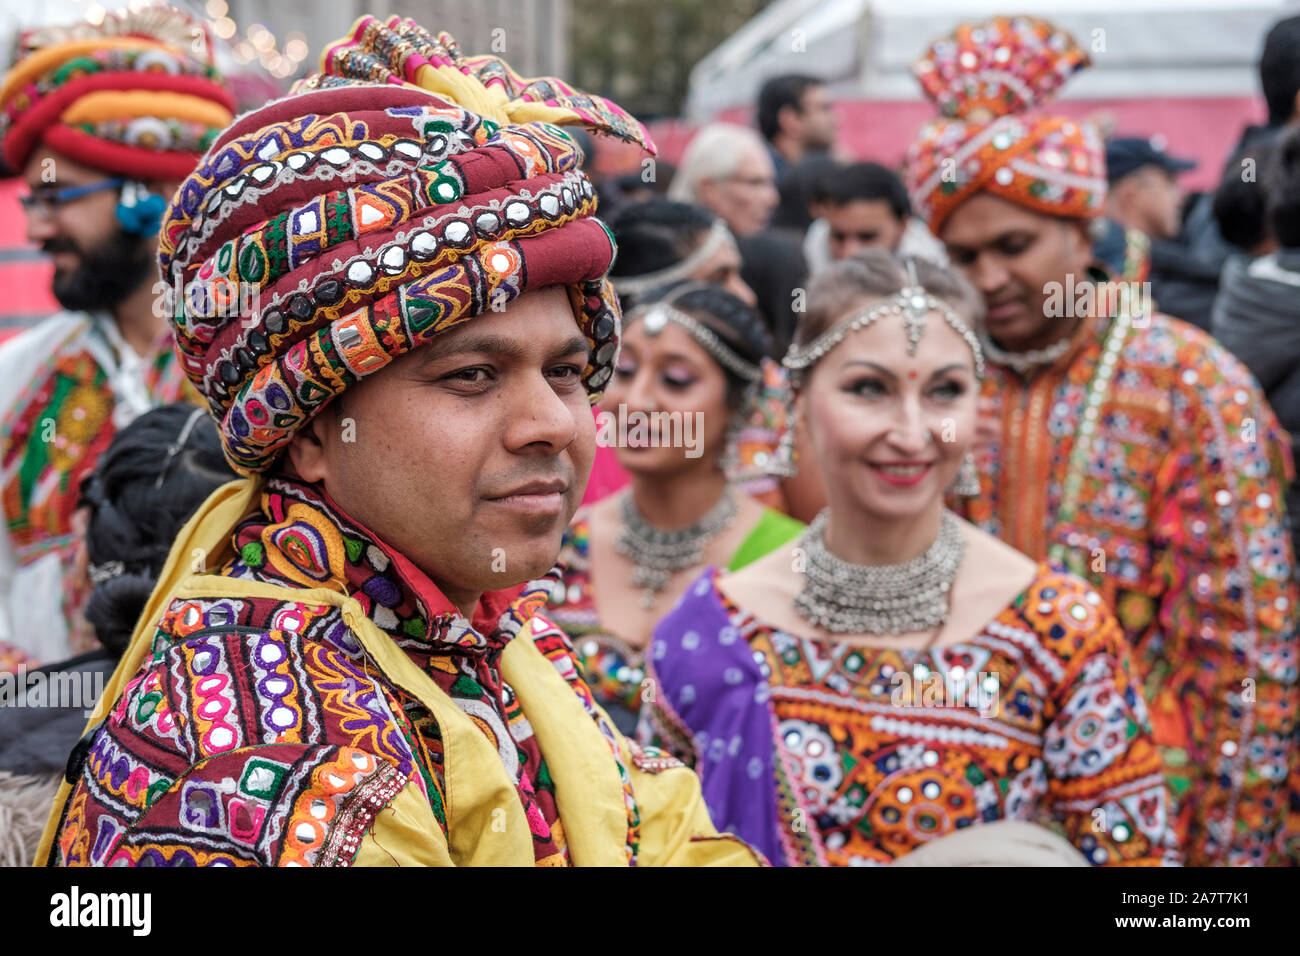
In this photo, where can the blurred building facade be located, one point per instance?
(531, 35)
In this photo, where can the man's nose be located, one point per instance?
(40, 227)
(987, 274)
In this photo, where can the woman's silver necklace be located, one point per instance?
(657, 554)
(891, 599)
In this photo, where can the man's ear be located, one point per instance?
(787, 118)
(1078, 238)
(706, 193)
(308, 450)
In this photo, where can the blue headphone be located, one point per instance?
(139, 211)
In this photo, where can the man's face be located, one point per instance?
(96, 263)
(817, 119)
(1149, 199)
(469, 455)
(862, 224)
(746, 198)
(1014, 256)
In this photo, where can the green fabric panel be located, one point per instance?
(770, 532)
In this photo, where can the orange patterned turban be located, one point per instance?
(136, 95)
(984, 78)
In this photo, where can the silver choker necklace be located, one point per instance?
(1023, 362)
(658, 553)
(879, 599)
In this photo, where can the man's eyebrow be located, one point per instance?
(499, 345)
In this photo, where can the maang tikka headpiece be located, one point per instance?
(659, 313)
(913, 303)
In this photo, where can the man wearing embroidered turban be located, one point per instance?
(1119, 441)
(102, 122)
(354, 669)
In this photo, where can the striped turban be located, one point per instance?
(983, 78)
(400, 193)
(135, 95)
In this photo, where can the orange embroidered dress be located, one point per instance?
(828, 753)
(1146, 460)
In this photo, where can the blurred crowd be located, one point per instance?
(1015, 417)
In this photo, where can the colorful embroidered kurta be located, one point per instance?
(613, 667)
(1176, 518)
(830, 753)
(318, 679)
(66, 387)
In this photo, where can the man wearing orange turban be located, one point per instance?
(1119, 441)
(365, 674)
(102, 122)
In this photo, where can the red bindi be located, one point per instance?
(911, 373)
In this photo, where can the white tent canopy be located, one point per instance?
(865, 48)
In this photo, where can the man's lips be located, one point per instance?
(1005, 310)
(536, 497)
(555, 486)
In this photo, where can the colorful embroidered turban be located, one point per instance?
(136, 95)
(983, 78)
(404, 191)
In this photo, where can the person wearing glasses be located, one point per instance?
(102, 122)
(727, 170)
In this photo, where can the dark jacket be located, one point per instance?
(1182, 284)
(1257, 317)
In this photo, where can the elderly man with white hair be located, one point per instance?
(726, 168)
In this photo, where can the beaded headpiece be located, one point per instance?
(913, 303)
(656, 316)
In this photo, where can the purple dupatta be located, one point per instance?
(710, 685)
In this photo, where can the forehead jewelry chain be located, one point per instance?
(915, 306)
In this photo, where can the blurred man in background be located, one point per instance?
(101, 146)
(796, 118)
(727, 170)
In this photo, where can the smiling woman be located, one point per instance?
(786, 671)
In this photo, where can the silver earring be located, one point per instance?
(729, 460)
(967, 484)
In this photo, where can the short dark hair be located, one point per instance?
(1283, 190)
(1241, 204)
(773, 265)
(656, 234)
(865, 181)
(778, 93)
(1279, 69)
